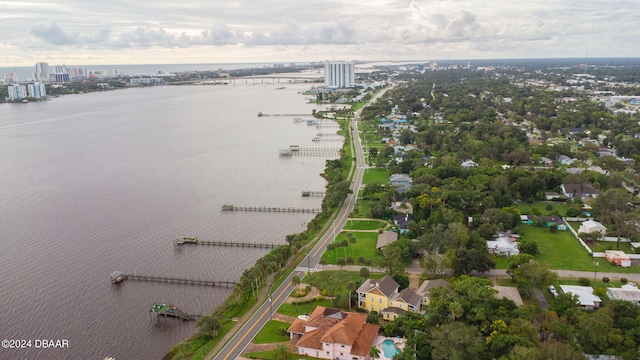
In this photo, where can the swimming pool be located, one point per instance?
(389, 348)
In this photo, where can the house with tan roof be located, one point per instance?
(334, 334)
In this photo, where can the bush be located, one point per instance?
(624, 280)
(584, 281)
(605, 279)
(549, 207)
(601, 292)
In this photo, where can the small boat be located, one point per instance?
(260, 114)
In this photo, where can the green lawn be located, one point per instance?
(362, 209)
(378, 176)
(200, 352)
(269, 332)
(365, 224)
(364, 246)
(292, 310)
(563, 251)
(560, 207)
(602, 246)
(271, 355)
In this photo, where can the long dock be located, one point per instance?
(285, 115)
(269, 209)
(118, 277)
(295, 150)
(308, 193)
(194, 240)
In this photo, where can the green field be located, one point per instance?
(364, 246)
(269, 332)
(563, 251)
(560, 207)
(377, 176)
(292, 310)
(271, 355)
(200, 352)
(368, 224)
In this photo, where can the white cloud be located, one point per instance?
(331, 28)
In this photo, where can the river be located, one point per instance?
(100, 182)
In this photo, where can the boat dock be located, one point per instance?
(172, 311)
(269, 209)
(309, 151)
(285, 115)
(118, 277)
(194, 240)
(308, 193)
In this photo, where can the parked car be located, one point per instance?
(552, 290)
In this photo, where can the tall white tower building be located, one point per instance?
(42, 71)
(339, 74)
(17, 92)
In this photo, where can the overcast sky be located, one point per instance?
(88, 32)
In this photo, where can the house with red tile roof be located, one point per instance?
(334, 334)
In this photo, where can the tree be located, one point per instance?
(457, 341)
(532, 275)
(373, 318)
(467, 260)
(351, 287)
(374, 352)
(282, 353)
(295, 280)
(341, 262)
(208, 325)
(364, 272)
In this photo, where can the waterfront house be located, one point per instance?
(334, 334)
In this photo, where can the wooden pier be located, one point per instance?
(310, 151)
(321, 134)
(194, 240)
(269, 209)
(172, 311)
(308, 193)
(118, 277)
(285, 115)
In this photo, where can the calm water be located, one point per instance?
(101, 182)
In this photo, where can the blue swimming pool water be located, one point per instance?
(389, 349)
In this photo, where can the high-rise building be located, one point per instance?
(37, 90)
(42, 71)
(60, 78)
(17, 92)
(339, 74)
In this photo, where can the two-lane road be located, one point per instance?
(241, 339)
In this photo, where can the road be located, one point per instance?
(238, 343)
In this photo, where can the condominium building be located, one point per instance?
(37, 90)
(42, 71)
(17, 92)
(339, 74)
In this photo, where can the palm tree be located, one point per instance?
(351, 287)
(295, 280)
(282, 353)
(374, 352)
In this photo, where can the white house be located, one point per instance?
(503, 246)
(469, 164)
(626, 293)
(591, 226)
(586, 299)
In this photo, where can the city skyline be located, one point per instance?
(90, 33)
